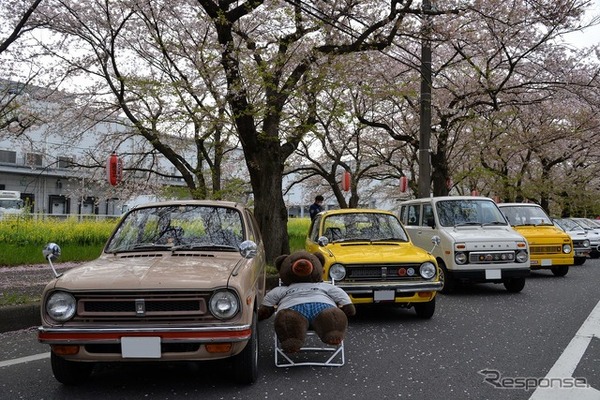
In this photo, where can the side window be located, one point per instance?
(413, 213)
(427, 214)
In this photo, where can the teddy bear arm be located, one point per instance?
(265, 312)
(349, 309)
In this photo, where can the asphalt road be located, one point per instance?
(517, 339)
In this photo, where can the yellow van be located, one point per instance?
(549, 247)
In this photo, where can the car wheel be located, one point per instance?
(70, 372)
(245, 364)
(514, 285)
(559, 271)
(425, 310)
(580, 260)
(448, 281)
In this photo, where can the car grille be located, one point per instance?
(145, 306)
(380, 272)
(491, 257)
(550, 249)
(578, 244)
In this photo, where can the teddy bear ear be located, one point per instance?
(279, 261)
(320, 256)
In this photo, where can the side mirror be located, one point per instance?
(322, 241)
(248, 249)
(51, 252)
(436, 240)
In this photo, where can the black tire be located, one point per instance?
(70, 372)
(514, 285)
(448, 281)
(559, 271)
(425, 310)
(580, 260)
(245, 364)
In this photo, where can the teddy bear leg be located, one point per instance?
(330, 325)
(291, 327)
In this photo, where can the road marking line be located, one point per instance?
(21, 360)
(567, 363)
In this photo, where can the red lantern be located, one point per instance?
(346, 181)
(403, 184)
(114, 169)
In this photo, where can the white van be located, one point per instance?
(476, 243)
(10, 203)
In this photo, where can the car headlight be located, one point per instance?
(427, 270)
(61, 306)
(337, 272)
(460, 258)
(586, 243)
(566, 248)
(522, 256)
(223, 304)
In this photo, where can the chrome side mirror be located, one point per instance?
(51, 252)
(323, 241)
(436, 240)
(248, 249)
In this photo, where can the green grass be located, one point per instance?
(297, 231)
(11, 299)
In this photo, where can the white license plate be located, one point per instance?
(493, 274)
(140, 347)
(546, 263)
(384, 295)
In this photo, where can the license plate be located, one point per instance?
(493, 274)
(140, 347)
(546, 263)
(384, 295)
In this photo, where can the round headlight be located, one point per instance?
(427, 270)
(61, 306)
(460, 258)
(337, 272)
(223, 304)
(586, 243)
(566, 248)
(522, 256)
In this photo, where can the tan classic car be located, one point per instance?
(178, 280)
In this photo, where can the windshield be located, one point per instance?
(468, 212)
(526, 215)
(568, 225)
(363, 226)
(179, 227)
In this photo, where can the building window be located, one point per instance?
(65, 162)
(9, 157)
(34, 160)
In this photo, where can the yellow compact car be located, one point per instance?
(549, 247)
(369, 255)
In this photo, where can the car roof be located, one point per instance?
(356, 211)
(216, 203)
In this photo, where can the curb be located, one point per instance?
(14, 318)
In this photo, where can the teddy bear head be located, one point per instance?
(300, 266)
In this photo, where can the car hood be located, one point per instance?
(145, 272)
(378, 252)
(484, 234)
(540, 232)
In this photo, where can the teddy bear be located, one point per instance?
(303, 301)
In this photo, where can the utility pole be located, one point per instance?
(425, 106)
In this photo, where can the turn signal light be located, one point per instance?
(218, 347)
(65, 350)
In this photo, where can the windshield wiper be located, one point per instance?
(204, 246)
(388, 239)
(467, 224)
(150, 246)
(494, 223)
